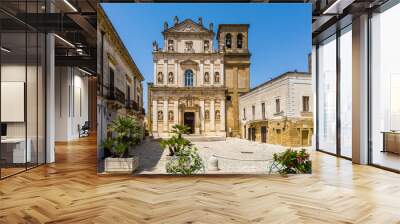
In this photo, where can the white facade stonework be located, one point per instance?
(189, 80)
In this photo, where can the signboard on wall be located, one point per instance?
(12, 101)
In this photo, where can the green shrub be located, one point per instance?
(186, 161)
(184, 157)
(175, 144)
(291, 162)
(127, 132)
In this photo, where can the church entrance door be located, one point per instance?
(188, 120)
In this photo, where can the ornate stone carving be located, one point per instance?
(160, 115)
(217, 115)
(206, 77)
(170, 77)
(160, 77)
(155, 46)
(170, 115)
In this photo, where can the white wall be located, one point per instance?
(71, 94)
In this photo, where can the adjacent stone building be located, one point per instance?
(119, 86)
(195, 84)
(279, 111)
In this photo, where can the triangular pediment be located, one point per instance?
(187, 26)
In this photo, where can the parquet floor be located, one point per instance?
(69, 191)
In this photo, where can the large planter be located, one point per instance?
(121, 165)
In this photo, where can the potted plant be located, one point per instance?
(184, 158)
(176, 142)
(126, 132)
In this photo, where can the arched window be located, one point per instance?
(188, 78)
(239, 40)
(160, 77)
(228, 40)
(206, 77)
(170, 77)
(216, 77)
(160, 115)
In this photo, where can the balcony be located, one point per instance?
(131, 105)
(114, 94)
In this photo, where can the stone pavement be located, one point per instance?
(235, 156)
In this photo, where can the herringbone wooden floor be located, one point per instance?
(69, 191)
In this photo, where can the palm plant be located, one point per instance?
(127, 133)
(176, 143)
(180, 130)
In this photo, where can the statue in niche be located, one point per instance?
(217, 115)
(206, 77)
(160, 77)
(170, 115)
(171, 77)
(160, 115)
(216, 79)
(206, 115)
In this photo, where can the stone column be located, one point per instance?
(165, 72)
(202, 115)
(176, 112)
(222, 81)
(212, 73)
(155, 117)
(197, 122)
(201, 73)
(176, 73)
(212, 115)
(222, 114)
(155, 73)
(165, 115)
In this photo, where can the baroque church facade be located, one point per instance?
(196, 84)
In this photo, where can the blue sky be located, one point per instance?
(279, 34)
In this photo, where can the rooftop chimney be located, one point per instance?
(200, 21)
(165, 25)
(211, 26)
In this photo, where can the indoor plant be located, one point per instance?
(126, 132)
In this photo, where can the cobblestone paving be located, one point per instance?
(235, 156)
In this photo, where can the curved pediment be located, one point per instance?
(188, 62)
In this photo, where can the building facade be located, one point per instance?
(279, 111)
(196, 84)
(120, 90)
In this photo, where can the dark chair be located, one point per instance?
(84, 130)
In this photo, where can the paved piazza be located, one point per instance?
(234, 156)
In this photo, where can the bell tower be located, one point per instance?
(233, 44)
